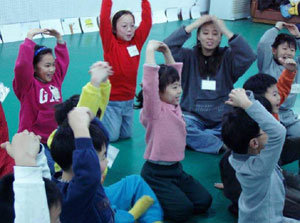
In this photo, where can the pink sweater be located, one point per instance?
(165, 127)
(38, 99)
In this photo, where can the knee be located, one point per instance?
(113, 136)
(181, 213)
(204, 204)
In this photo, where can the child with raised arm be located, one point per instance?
(276, 92)
(270, 48)
(25, 196)
(208, 75)
(37, 84)
(179, 193)
(131, 198)
(122, 44)
(256, 139)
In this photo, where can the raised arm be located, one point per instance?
(61, 52)
(24, 70)
(175, 42)
(144, 28)
(152, 102)
(96, 93)
(264, 47)
(86, 167)
(286, 78)
(293, 30)
(28, 184)
(105, 25)
(267, 160)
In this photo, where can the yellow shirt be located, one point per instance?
(93, 98)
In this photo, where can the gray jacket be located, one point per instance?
(267, 64)
(209, 105)
(263, 194)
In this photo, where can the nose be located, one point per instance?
(52, 68)
(278, 98)
(179, 90)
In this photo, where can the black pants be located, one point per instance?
(290, 151)
(179, 194)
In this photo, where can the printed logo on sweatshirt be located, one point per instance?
(44, 95)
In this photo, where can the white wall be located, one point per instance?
(16, 11)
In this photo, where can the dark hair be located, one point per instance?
(238, 129)
(62, 109)
(63, 144)
(208, 65)
(166, 75)
(236, 133)
(264, 101)
(259, 83)
(285, 38)
(7, 197)
(116, 17)
(39, 52)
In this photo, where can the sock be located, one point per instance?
(141, 206)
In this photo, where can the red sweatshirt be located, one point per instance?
(284, 85)
(37, 98)
(125, 68)
(6, 162)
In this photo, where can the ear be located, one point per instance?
(274, 51)
(254, 144)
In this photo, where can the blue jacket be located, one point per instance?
(84, 199)
(263, 193)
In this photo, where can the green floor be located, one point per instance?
(85, 49)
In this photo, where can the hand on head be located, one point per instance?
(24, 148)
(288, 63)
(279, 25)
(33, 32)
(158, 46)
(51, 32)
(99, 72)
(238, 98)
(293, 29)
(79, 119)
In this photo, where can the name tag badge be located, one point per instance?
(295, 89)
(133, 51)
(208, 85)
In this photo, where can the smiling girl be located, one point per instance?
(208, 75)
(37, 84)
(122, 44)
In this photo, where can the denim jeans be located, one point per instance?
(118, 119)
(201, 138)
(124, 194)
